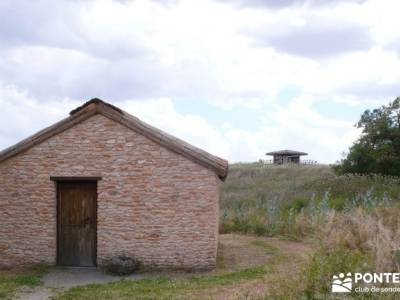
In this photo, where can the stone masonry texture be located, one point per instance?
(153, 204)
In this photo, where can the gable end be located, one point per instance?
(94, 106)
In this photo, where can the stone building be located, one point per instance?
(102, 183)
(283, 157)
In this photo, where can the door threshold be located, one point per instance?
(76, 268)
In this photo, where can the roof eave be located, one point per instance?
(286, 153)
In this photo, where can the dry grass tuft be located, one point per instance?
(369, 232)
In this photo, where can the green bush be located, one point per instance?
(377, 150)
(337, 203)
(297, 204)
(328, 262)
(259, 229)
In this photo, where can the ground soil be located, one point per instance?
(236, 252)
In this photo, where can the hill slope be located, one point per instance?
(253, 181)
(264, 199)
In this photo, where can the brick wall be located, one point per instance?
(152, 203)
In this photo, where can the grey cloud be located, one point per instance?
(81, 77)
(279, 4)
(73, 74)
(394, 46)
(315, 40)
(38, 22)
(372, 90)
(57, 24)
(46, 51)
(162, 2)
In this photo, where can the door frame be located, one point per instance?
(57, 180)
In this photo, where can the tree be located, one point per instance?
(378, 148)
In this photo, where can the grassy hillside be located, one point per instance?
(255, 182)
(265, 200)
(285, 184)
(354, 218)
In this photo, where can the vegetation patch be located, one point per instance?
(161, 288)
(377, 150)
(354, 218)
(326, 262)
(271, 256)
(12, 280)
(292, 201)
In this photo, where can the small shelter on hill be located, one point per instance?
(282, 157)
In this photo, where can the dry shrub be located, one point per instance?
(369, 232)
(303, 225)
(389, 217)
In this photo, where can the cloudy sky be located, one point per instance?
(237, 78)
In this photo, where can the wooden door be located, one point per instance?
(77, 223)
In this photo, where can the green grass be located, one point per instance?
(11, 281)
(326, 262)
(161, 288)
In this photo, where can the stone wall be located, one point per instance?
(153, 204)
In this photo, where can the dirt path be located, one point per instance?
(242, 251)
(282, 258)
(236, 252)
